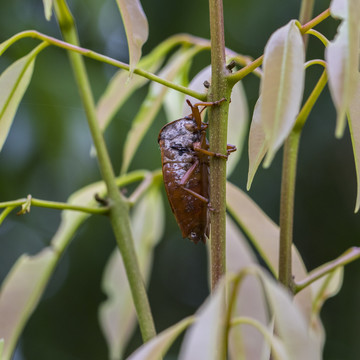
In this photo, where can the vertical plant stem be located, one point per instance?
(218, 134)
(119, 214)
(287, 208)
(288, 185)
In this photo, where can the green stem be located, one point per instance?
(55, 205)
(346, 258)
(105, 59)
(218, 140)
(287, 207)
(119, 215)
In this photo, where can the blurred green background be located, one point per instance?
(47, 155)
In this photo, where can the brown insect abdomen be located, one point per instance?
(191, 213)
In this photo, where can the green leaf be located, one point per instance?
(152, 104)
(157, 347)
(13, 84)
(136, 28)
(20, 293)
(342, 56)
(117, 315)
(205, 338)
(282, 85)
(354, 125)
(48, 6)
(258, 146)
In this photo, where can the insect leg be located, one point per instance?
(186, 178)
(199, 149)
(230, 148)
(198, 196)
(188, 173)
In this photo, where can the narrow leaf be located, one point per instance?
(136, 28)
(205, 337)
(258, 145)
(282, 85)
(342, 56)
(354, 125)
(151, 106)
(48, 6)
(157, 347)
(20, 293)
(13, 84)
(117, 315)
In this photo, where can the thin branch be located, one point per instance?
(55, 205)
(105, 59)
(346, 258)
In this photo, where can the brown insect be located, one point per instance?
(185, 166)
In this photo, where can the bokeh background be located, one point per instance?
(47, 155)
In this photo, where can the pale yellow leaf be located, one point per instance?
(244, 340)
(282, 85)
(48, 6)
(157, 347)
(354, 125)
(13, 84)
(258, 145)
(264, 235)
(20, 293)
(342, 57)
(204, 338)
(136, 28)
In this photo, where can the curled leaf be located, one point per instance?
(136, 28)
(282, 85)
